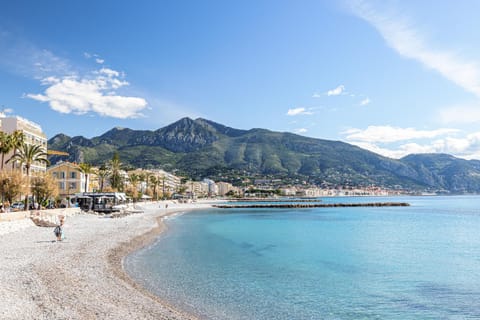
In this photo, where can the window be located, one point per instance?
(73, 175)
(61, 185)
(62, 174)
(73, 185)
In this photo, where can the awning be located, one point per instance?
(120, 197)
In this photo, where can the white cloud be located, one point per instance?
(396, 153)
(365, 102)
(316, 95)
(4, 111)
(467, 147)
(300, 130)
(95, 56)
(49, 80)
(398, 142)
(94, 93)
(67, 89)
(337, 91)
(24, 58)
(386, 134)
(298, 111)
(7, 110)
(409, 42)
(109, 72)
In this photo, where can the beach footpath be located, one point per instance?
(81, 277)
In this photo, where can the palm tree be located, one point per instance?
(134, 178)
(102, 175)
(163, 187)
(141, 178)
(9, 142)
(86, 169)
(27, 155)
(4, 145)
(154, 183)
(115, 166)
(17, 140)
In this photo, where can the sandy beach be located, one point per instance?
(81, 277)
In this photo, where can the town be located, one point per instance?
(26, 174)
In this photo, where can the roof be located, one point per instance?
(64, 163)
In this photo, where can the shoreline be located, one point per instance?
(116, 258)
(83, 277)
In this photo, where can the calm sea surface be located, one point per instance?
(417, 262)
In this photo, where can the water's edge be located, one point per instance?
(425, 288)
(117, 256)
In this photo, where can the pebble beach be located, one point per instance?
(81, 277)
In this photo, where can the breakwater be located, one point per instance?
(315, 205)
(273, 200)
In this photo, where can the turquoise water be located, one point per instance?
(417, 262)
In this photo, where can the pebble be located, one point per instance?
(74, 279)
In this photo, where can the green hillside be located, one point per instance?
(202, 148)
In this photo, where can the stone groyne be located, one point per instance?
(273, 200)
(316, 205)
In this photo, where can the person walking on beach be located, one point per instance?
(58, 231)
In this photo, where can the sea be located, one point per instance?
(415, 262)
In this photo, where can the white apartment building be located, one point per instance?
(33, 135)
(223, 188)
(169, 181)
(197, 189)
(212, 187)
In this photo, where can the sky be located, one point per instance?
(393, 77)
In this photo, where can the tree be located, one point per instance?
(163, 188)
(102, 175)
(17, 141)
(27, 155)
(44, 187)
(4, 145)
(12, 184)
(182, 189)
(154, 183)
(142, 178)
(132, 192)
(86, 169)
(133, 178)
(115, 166)
(108, 189)
(8, 142)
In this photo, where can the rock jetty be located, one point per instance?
(312, 205)
(274, 200)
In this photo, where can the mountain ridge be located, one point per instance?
(203, 148)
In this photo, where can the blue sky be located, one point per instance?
(394, 77)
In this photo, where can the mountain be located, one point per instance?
(444, 171)
(202, 148)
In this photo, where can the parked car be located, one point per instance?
(17, 206)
